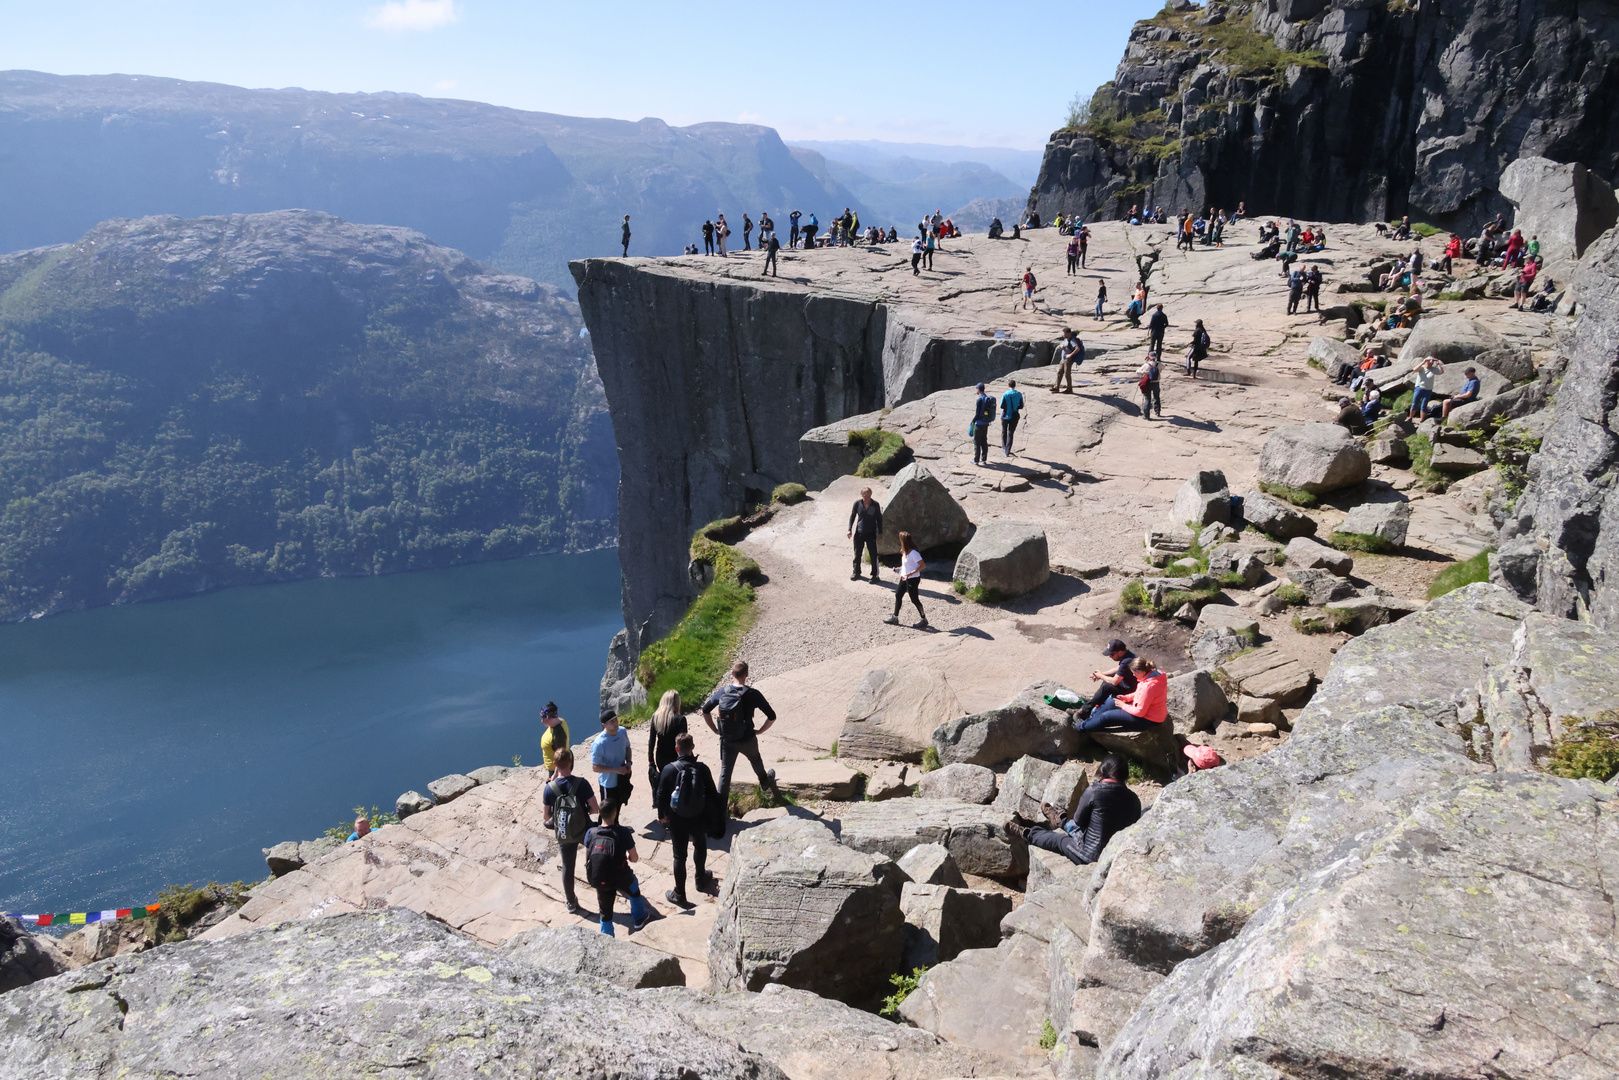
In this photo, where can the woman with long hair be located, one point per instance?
(667, 723)
(1139, 710)
(910, 580)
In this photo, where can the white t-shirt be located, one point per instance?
(1425, 377)
(912, 566)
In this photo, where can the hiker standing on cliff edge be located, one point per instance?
(737, 702)
(625, 239)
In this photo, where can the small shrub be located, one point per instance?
(1280, 558)
(517, 761)
(980, 595)
(1291, 595)
(1133, 598)
(834, 748)
(885, 451)
(904, 986)
(1311, 624)
(1048, 1036)
(744, 800)
(1420, 447)
(1232, 580)
(959, 586)
(1296, 496)
(1351, 541)
(789, 494)
(930, 760)
(180, 906)
(1456, 575)
(1589, 750)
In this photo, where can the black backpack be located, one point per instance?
(689, 799)
(570, 815)
(604, 863)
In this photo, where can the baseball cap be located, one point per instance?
(980, 386)
(1114, 646)
(1204, 757)
(608, 714)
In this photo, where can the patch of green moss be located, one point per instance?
(885, 451)
(1589, 750)
(1296, 496)
(1420, 447)
(1048, 1035)
(1291, 595)
(930, 759)
(789, 494)
(741, 801)
(1133, 599)
(1466, 572)
(1311, 624)
(1352, 541)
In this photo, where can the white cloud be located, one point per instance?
(445, 84)
(398, 16)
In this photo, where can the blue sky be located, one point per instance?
(987, 74)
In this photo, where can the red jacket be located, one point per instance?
(1149, 700)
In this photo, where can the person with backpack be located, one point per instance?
(1070, 351)
(983, 416)
(610, 759)
(609, 850)
(684, 793)
(747, 232)
(668, 724)
(1147, 383)
(1198, 351)
(737, 702)
(569, 802)
(1028, 286)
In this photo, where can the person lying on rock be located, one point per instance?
(1121, 680)
(1138, 710)
(1107, 806)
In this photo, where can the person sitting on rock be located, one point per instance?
(1121, 680)
(1107, 807)
(1349, 417)
(1138, 710)
(1468, 395)
(1371, 401)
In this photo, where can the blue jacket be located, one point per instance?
(1011, 404)
(985, 410)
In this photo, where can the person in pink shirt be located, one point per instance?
(1139, 710)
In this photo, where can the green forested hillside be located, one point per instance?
(187, 404)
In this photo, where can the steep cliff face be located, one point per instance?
(1348, 110)
(710, 382)
(1560, 550)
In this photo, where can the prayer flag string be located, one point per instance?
(84, 918)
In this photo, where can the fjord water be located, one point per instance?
(169, 742)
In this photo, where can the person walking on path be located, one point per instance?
(684, 792)
(910, 582)
(609, 850)
(1073, 254)
(1028, 287)
(772, 246)
(1198, 351)
(747, 232)
(1107, 807)
(983, 415)
(610, 759)
(721, 231)
(1101, 297)
(865, 526)
(1147, 381)
(668, 723)
(1011, 410)
(568, 806)
(625, 238)
(708, 238)
(737, 702)
(1156, 327)
(1070, 351)
(555, 737)
(1084, 235)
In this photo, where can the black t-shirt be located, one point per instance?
(579, 786)
(1127, 678)
(736, 705)
(623, 836)
(866, 520)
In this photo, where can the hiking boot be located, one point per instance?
(855, 576)
(1013, 829)
(575, 910)
(892, 620)
(678, 900)
(639, 924)
(923, 625)
(1052, 817)
(708, 883)
(875, 579)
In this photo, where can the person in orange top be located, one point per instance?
(1146, 705)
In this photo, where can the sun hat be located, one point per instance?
(1204, 757)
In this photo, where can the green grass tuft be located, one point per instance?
(1351, 541)
(1291, 595)
(788, 494)
(744, 800)
(1456, 575)
(1589, 750)
(1420, 447)
(1296, 496)
(904, 986)
(1133, 599)
(930, 759)
(1048, 1035)
(1311, 624)
(885, 451)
